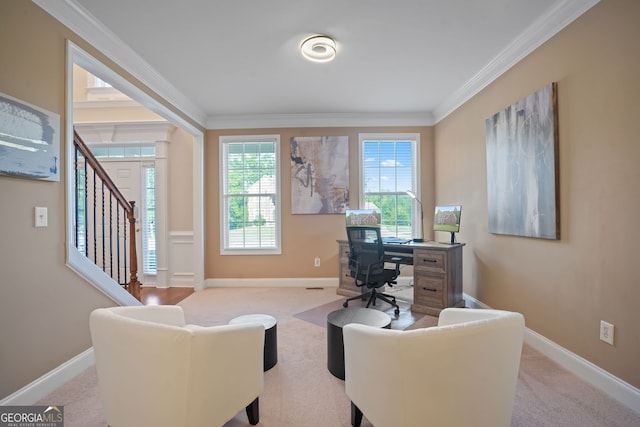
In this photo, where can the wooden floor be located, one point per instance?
(164, 296)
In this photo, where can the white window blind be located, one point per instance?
(389, 167)
(250, 194)
(149, 259)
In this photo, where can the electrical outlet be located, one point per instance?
(316, 262)
(606, 332)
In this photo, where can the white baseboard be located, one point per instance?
(287, 282)
(301, 282)
(38, 389)
(619, 390)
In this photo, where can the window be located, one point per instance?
(250, 194)
(128, 149)
(389, 167)
(149, 258)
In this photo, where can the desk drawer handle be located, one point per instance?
(430, 289)
(429, 260)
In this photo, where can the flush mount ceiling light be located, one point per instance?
(319, 48)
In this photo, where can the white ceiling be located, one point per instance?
(403, 61)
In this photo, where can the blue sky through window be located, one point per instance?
(387, 166)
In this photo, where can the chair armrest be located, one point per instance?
(226, 367)
(452, 315)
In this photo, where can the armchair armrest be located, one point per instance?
(452, 315)
(235, 374)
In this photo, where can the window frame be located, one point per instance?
(224, 141)
(414, 138)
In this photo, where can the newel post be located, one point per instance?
(134, 284)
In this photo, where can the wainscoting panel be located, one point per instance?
(181, 272)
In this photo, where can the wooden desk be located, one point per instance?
(437, 274)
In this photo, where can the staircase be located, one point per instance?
(105, 225)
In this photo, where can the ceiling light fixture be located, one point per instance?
(319, 48)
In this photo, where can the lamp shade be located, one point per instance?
(420, 237)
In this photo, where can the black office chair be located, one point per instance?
(366, 265)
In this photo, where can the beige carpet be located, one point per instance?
(299, 390)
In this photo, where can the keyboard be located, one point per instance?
(396, 240)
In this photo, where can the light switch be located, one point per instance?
(41, 217)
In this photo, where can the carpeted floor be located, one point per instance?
(299, 390)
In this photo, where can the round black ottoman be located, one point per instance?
(336, 320)
(270, 335)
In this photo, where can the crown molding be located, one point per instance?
(264, 121)
(80, 21)
(93, 31)
(545, 27)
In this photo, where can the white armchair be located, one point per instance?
(460, 373)
(153, 370)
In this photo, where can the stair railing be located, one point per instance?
(105, 227)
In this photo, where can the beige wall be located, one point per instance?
(104, 112)
(180, 178)
(303, 236)
(564, 288)
(44, 306)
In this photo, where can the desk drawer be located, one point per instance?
(433, 260)
(343, 253)
(428, 290)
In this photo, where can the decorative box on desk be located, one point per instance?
(437, 274)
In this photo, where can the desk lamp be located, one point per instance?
(413, 196)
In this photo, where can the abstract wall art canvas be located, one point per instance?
(29, 140)
(522, 167)
(319, 175)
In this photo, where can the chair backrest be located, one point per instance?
(461, 373)
(366, 254)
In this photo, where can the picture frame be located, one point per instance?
(522, 167)
(319, 175)
(29, 140)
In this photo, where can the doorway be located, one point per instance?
(160, 124)
(136, 180)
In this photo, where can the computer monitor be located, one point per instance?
(363, 217)
(447, 218)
